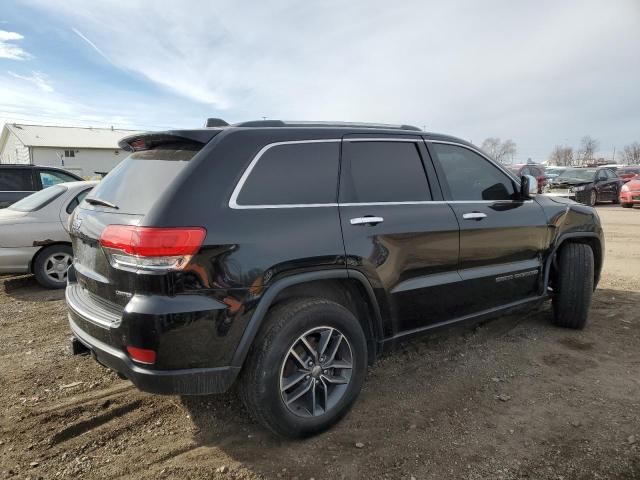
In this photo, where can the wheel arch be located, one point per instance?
(590, 238)
(344, 287)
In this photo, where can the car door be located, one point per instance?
(502, 237)
(397, 230)
(614, 184)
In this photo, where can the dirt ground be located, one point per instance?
(512, 398)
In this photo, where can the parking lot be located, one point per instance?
(511, 398)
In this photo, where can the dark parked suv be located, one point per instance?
(289, 256)
(18, 181)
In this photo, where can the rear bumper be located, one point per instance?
(192, 381)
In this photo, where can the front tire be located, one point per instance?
(573, 286)
(593, 198)
(51, 265)
(626, 205)
(306, 367)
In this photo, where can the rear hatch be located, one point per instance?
(124, 197)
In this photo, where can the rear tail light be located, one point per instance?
(149, 248)
(142, 355)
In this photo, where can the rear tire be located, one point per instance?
(51, 264)
(573, 286)
(271, 366)
(626, 205)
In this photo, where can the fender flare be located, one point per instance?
(559, 242)
(258, 316)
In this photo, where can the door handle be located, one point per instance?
(368, 220)
(474, 216)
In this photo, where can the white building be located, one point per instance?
(87, 152)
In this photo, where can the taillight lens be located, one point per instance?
(149, 248)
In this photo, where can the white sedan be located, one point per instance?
(33, 233)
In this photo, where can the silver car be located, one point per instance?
(33, 233)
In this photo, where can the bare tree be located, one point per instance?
(498, 150)
(562, 156)
(631, 154)
(588, 147)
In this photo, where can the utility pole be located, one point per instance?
(613, 159)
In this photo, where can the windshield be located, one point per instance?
(586, 174)
(140, 179)
(39, 199)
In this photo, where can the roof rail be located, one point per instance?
(281, 123)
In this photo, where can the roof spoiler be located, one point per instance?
(150, 140)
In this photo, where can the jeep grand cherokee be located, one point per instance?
(289, 256)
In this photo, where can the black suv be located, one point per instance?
(290, 256)
(18, 181)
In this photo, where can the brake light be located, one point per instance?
(142, 355)
(150, 248)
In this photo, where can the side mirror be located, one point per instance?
(528, 186)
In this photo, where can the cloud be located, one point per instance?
(9, 50)
(539, 72)
(38, 79)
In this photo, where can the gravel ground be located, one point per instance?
(511, 398)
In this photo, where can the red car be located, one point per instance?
(627, 173)
(630, 193)
(533, 170)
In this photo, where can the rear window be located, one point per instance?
(16, 180)
(140, 179)
(37, 200)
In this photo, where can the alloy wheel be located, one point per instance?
(316, 372)
(56, 266)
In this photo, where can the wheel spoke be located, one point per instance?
(295, 355)
(340, 364)
(299, 392)
(293, 380)
(313, 397)
(325, 338)
(61, 274)
(312, 351)
(325, 394)
(334, 348)
(50, 270)
(336, 380)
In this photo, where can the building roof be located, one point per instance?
(70, 137)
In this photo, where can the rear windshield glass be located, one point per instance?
(37, 200)
(140, 179)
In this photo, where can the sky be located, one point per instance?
(540, 72)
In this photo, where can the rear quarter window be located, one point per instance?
(292, 174)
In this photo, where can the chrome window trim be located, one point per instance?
(233, 201)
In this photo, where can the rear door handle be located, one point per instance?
(368, 220)
(474, 216)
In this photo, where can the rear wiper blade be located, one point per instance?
(97, 201)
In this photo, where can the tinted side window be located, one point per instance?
(382, 172)
(15, 180)
(472, 177)
(291, 174)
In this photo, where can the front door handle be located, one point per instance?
(368, 220)
(474, 216)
